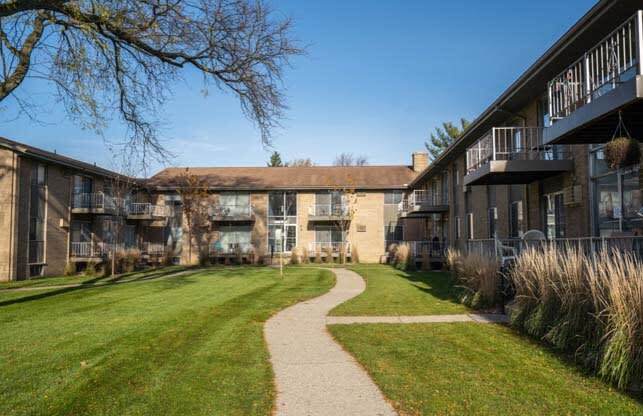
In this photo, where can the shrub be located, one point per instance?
(131, 259)
(204, 259)
(305, 256)
(329, 255)
(90, 268)
(168, 259)
(294, 256)
(70, 269)
(318, 256)
(401, 256)
(354, 254)
(622, 151)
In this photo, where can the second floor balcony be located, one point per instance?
(232, 213)
(423, 201)
(147, 211)
(329, 212)
(587, 96)
(514, 155)
(96, 203)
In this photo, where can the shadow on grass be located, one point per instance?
(440, 285)
(83, 286)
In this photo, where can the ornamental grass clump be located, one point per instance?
(590, 306)
(401, 256)
(479, 276)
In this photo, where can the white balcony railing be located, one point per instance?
(324, 246)
(601, 69)
(512, 143)
(219, 248)
(421, 197)
(96, 200)
(328, 210)
(430, 248)
(231, 211)
(93, 249)
(152, 249)
(148, 209)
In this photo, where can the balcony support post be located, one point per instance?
(588, 83)
(493, 144)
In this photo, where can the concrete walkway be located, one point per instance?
(313, 374)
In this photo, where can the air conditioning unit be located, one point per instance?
(572, 195)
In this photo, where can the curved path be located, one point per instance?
(313, 374)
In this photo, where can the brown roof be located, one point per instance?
(316, 177)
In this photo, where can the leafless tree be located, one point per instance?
(194, 197)
(118, 58)
(299, 163)
(349, 159)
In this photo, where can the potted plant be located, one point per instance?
(622, 151)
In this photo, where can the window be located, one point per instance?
(174, 236)
(393, 197)
(554, 215)
(82, 184)
(233, 239)
(543, 106)
(457, 228)
(516, 220)
(37, 214)
(493, 222)
(470, 226)
(445, 189)
(329, 203)
(233, 204)
(282, 221)
(457, 176)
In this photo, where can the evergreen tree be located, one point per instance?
(275, 160)
(444, 136)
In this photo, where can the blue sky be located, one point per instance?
(378, 76)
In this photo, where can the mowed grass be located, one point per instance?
(89, 280)
(393, 292)
(475, 369)
(190, 344)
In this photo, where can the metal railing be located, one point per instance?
(231, 211)
(588, 245)
(613, 60)
(152, 249)
(324, 246)
(148, 209)
(93, 249)
(418, 249)
(421, 197)
(219, 248)
(513, 143)
(328, 210)
(96, 200)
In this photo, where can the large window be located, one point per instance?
(393, 229)
(616, 198)
(37, 212)
(234, 204)
(554, 215)
(234, 238)
(329, 203)
(282, 221)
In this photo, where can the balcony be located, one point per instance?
(95, 203)
(585, 99)
(91, 251)
(223, 249)
(150, 249)
(324, 248)
(423, 202)
(232, 213)
(432, 250)
(148, 212)
(514, 155)
(328, 212)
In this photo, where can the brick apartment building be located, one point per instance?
(533, 160)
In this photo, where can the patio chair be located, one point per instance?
(533, 238)
(506, 254)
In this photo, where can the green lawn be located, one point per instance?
(475, 369)
(393, 292)
(191, 344)
(87, 280)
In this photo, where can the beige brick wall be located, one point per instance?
(8, 214)
(370, 215)
(57, 225)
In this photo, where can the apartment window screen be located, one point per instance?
(37, 212)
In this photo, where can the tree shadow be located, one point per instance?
(440, 285)
(84, 286)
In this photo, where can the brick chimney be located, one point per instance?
(420, 161)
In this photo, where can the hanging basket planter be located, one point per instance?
(621, 152)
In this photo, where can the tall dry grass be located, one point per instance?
(588, 305)
(478, 276)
